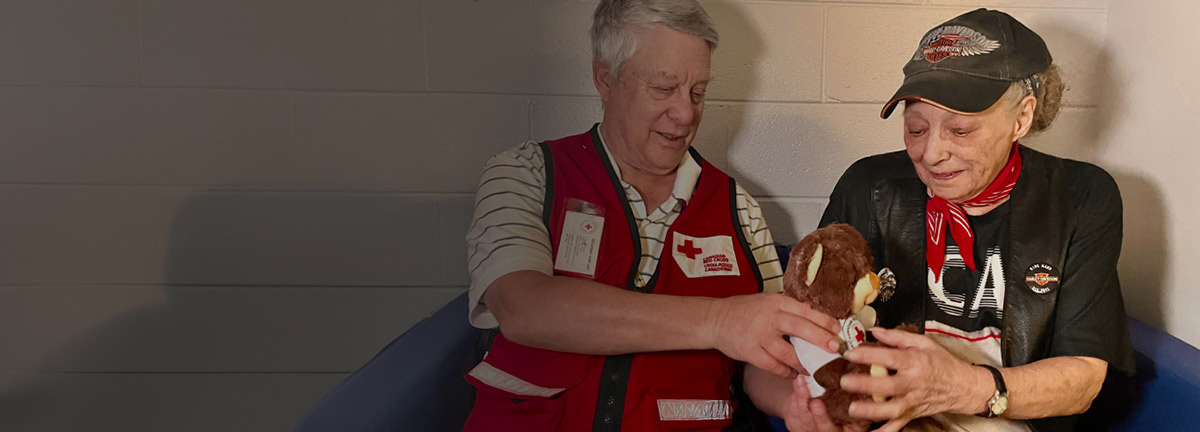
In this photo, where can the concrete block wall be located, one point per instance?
(213, 211)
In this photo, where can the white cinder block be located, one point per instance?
(713, 137)
(361, 45)
(425, 143)
(768, 51)
(144, 136)
(27, 132)
(800, 150)
(53, 42)
(871, 1)
(280, 238)
(107, 235)
(161, 402)
(454, 218)
(867, 47)
(556, 117)
(85, 234)
(529, 46)
(1002, 4)
(1074, 134)
(205, 328)
(791, 219)
(717, 132)
(1077, 40)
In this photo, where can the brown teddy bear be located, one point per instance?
(831, 270)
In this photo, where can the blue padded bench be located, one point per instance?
(415, 383)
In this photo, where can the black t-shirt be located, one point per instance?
(972, 300)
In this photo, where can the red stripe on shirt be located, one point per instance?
(991, 336)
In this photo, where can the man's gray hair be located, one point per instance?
(613, 39)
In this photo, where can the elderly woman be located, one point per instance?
(1005, 256)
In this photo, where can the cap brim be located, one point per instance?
(951, 91)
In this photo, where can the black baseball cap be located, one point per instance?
(964, 65)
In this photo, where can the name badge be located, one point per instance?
(704, 256)
(579, 244)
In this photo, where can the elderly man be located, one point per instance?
(625, 272)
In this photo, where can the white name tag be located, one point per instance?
(579, 245)
(705, 256)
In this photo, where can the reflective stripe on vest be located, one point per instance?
(502, 380)
(693, 409)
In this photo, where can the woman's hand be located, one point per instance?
(928, 380)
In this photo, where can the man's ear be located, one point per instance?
(603, 78)
(1024, 117)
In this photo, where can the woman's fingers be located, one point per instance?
(873, 385)
(900, 338)
(872, 410)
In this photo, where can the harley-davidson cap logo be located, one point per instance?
(953, 41)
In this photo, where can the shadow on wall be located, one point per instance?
(1142, 266)
(1143, 252)
(270, 300)
(724, 121)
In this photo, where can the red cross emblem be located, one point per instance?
(688, 248)
(588, 227)
(859, 335)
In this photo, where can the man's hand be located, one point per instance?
(804, 414)
(928, 380)
(750, 328)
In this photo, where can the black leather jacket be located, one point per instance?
(1064, 214)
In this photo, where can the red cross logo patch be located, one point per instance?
(704, 256)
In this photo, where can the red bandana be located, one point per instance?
(939, 210)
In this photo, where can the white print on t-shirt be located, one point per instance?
(990, 289)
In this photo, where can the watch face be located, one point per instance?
(1000, 406)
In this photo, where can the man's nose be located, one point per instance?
(682, 109)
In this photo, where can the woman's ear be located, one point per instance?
(1024, 122)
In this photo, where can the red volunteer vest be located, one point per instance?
(521, 388)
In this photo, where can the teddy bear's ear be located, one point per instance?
(814, 265)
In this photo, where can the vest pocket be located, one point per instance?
(524, 386)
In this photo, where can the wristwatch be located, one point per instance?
(999, 401)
